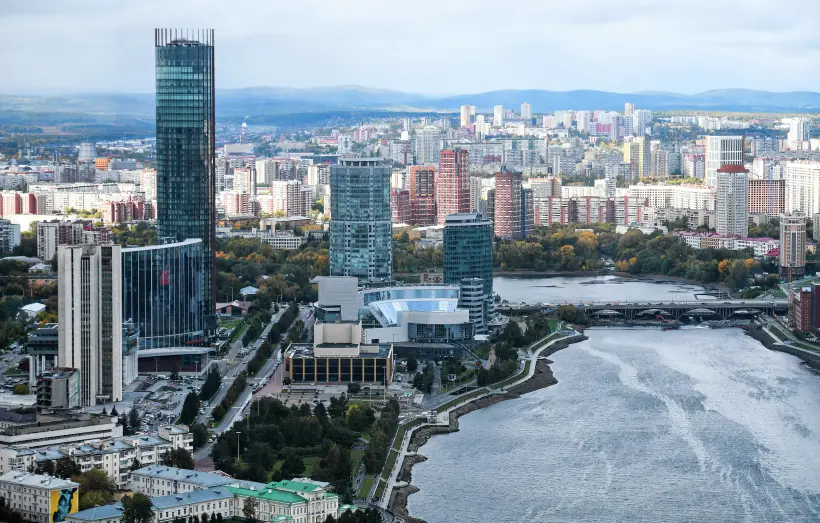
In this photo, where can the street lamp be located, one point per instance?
(237, 445)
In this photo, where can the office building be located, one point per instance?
(185, 149)
(58, 388)
(244, 180)
(720, 151)
(90, 311)
(468, 250)
(731, 200)
(526, 111)
(767, 197)
(9, 235)
(498, 116)
(792, 246)
(39, 498)
(507, 210)
(452, 187)
(42, 345)
(361, 227)
(163, 293)
(422, 195)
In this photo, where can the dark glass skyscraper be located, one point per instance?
(361, 228)
(186, 181)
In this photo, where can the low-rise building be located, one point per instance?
(115, 456)
(216, 501)
(38, 498)
(160, 480)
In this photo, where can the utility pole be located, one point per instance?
(237, 445)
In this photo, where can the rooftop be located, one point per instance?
(36, 480)
(202, 479)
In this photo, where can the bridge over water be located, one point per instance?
(707, 309)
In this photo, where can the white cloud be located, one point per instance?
(442, 46)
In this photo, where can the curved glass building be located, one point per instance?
(163, 291)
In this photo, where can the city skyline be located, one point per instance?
(759, 37)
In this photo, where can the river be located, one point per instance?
(643, 425)
(575, 289)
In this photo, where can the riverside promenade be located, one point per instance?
(443, 414)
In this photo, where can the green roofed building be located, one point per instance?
(299, 500)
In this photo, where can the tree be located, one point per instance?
(135, 465)
(94, 480)
(137, 508)
(95, 498)
(200, 434)
(412, 363)
(133, 419)
(353, 388)
(249, 509)
(21, 388)
(292, 466)
(179, 458)
(190, 408)
(175, 372)
(66, 468)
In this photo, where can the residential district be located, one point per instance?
(251, 332)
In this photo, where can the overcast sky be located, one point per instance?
(425, 46)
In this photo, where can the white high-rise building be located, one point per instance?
(640, 121)
(498, 115)
(464, 119)
(803, 187)
(90, 310)
(720, 151)
(148, 183)
(629, 109)
(87, 153)
(583, 120)
(731, 200)
(526, 111)
(799, 134)
(427, 145)
(345, 144)
(267, 171)
(244, 180)
(568, 117)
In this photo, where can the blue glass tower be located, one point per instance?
(186, 181)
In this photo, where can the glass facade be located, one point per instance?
(163, 293)
(361, 229)
(468, 249)
(186, 182)
(338, 370)
(439, 333)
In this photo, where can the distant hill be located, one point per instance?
(270, 101)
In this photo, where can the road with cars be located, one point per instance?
(235, 365)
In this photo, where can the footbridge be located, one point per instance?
(706, 309)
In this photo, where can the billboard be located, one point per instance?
(62, 503)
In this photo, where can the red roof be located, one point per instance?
(732, 169)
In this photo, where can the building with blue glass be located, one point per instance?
(185, 163)
(361, 228)
(163, 293)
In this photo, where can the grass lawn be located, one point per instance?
(389, 463)
(356, 459)
(14, 371)
(459, 399)
(553, 323)
(367, 484)
(238, 333)
(380, 488)
(311, 463)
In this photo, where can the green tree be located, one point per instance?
(200, 434)
(137, 508)
(412, 363)
(249, 509)
(21, 388)
(175, 372)
(190, 408)
(66, 468)
(179, 458)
